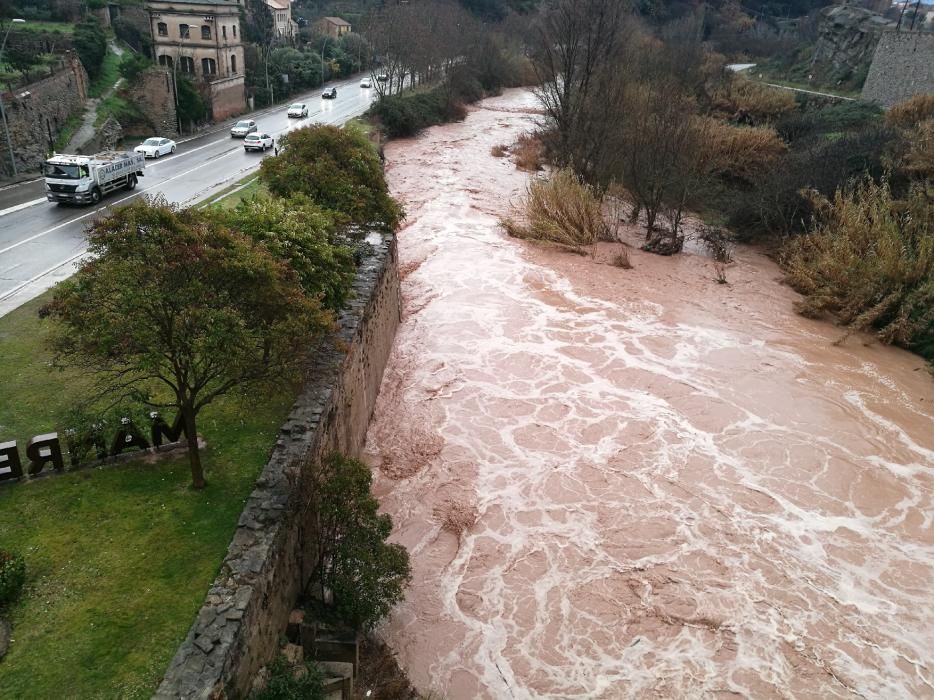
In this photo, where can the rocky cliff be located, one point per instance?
(847, 39)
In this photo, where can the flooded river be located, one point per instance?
(639, 483)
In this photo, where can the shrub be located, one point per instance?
(12, 577)
(499, 150)
(90, 43)
(745, 101)
(739, 152)
(823, 119)
(529, 152)
(132, 65)
(560, 210)
(911, 112)
(366, 575)
(301, 233)
(409, 113)
(339, 170)
(288, 683)
(870, 264)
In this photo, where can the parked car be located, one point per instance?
(330, 93)
(156, 147)
(299, 109)
(382, 77)
(242, 128)
(258, 142)
(365, 83)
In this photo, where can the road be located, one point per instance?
(40, 242)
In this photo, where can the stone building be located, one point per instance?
(201, 39)
(286, 28)
(332, 26)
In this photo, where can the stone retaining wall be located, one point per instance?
(247, 608)
(902, 67)
(36, 112)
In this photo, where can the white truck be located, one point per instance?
(86, 179)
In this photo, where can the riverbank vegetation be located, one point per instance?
(436, 58)
(118, 555)
(678, 132)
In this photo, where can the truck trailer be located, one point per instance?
(86, 179)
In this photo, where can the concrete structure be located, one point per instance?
(286, 27)
(902, 67)
(248, 607)
(332, 26)
(201, 39)
(35, 113)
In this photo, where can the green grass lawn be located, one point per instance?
(229, 197)
(109, 75)
(36, 26)
(119, 558)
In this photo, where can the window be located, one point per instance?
(165, 60)
(235, 30)
(233, 64)
(163, 29)
(208, 66)
(183, 31)
(224, 30)
(205, 31)
(186, 64)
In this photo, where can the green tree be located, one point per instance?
(192, 107)
(301, 233)
(366, 575)
(175, 310)
(90, 43)
(339, 170)
(132, 65)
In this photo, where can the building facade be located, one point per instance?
(332, 26)
(201, 39)
(286, 28)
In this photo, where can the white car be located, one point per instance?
(299, 109)
(258, 142)
(365, 83)
(382, 77)
(156, 147)
(242, 128)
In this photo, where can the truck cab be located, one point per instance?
(82, 179)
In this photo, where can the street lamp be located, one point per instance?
(323, 44)
(6, 127)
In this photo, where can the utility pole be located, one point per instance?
(6, 126)
(323, 44)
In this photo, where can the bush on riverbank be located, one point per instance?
(560, 210)
(338, 170)
(870, 264)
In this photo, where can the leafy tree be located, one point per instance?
(192, 107)
(132, 65)
(298, 231)
(339, 170)
(175, 310)
(366, 575)
(21, 57)
(90, 43)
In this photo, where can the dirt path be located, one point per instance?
(88, 129)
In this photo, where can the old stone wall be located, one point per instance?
(154, 93)
(40, 42)
(902, 67)
(247, 608)
(37, 111)
(228, 98)
(107, 137)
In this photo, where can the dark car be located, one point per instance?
(330, 93)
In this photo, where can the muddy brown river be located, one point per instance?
(638, 483)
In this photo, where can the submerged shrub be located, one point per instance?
(870, 263)
(12, 576)
(561, 210)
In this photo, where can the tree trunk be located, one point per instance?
(194, 453)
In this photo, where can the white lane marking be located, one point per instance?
(20, 207)
(7, 295)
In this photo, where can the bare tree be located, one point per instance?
(575, 42)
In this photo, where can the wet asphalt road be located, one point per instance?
(40, 241)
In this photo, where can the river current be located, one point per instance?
(638, 483)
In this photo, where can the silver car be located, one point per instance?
(242, 128)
